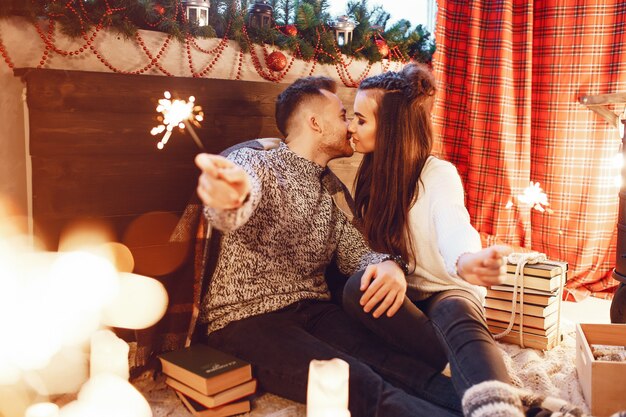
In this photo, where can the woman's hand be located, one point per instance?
(383, 283)
(486, 267)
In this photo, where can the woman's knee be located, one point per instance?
(460, 323)
(458, 306)
(459, 312)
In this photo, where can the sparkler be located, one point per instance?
(534, 196)
(177, 113)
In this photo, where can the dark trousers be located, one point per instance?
(383, 381)
(448, 326)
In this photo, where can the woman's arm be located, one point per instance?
(486, 267)
(458, 241)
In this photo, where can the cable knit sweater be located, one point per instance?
(441, 231)
(276, 246)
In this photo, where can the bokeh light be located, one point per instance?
(148, 238)
(51, 303)
(141, 303)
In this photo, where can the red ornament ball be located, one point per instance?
(159, 9)
(276, 61)
(291, 30)
(383, 48)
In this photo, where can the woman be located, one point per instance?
(411, 204)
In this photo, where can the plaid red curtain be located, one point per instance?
(510, 75)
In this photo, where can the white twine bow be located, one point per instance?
(526, 258)
(521, 260)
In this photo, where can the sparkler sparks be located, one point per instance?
(177, 113)
(534, 196)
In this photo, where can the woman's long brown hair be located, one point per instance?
(386, 183)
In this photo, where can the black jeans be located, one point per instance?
(383, 381)
(449, 324)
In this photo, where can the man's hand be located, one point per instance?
(383, 283)
(222, 183)
(486, 267)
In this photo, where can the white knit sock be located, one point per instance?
(492, 399)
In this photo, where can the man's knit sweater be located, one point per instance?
(277, 245)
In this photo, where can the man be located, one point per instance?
(268, 302)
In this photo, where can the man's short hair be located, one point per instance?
(288, 101)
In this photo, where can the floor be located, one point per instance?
(590, 310)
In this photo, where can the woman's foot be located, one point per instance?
(492, 399)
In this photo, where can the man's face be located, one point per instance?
(335, 139)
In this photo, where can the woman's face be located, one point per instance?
(363, 126)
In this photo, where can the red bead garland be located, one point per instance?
(5, 56)
(277, 65)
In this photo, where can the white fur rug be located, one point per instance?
(549, 373)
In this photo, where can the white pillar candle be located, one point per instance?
(109, 354)
(327, 392)
(42, 410)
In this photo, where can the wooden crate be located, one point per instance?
(603, 383)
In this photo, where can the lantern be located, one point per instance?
(260, 14)
(343, 28)
(197, 11)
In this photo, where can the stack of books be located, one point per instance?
(542, 289)
(210, 383)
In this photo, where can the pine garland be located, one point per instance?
(227, 18)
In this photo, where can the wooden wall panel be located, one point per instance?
(91, 148)
(86, 132)
(92, 151)
(110, 186)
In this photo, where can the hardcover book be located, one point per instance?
(205, 369)
(534, 341)
(528, 309)
(500, 326)
(529, 321)
(198, 410)
(542, 299)
(509, 288)
(218, 399)
(540, 270)
(536, 283)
